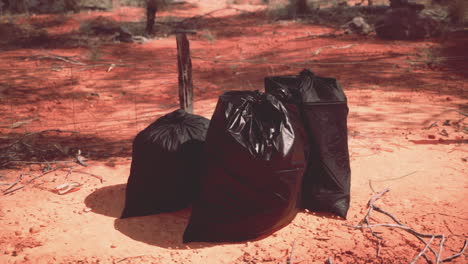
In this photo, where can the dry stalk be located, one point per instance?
(365, 224)
(47, 171)
(291, 253)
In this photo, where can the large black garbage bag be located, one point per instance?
(165, 170)
(255, 162)
(324, 109)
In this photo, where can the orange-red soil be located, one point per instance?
(395, 90)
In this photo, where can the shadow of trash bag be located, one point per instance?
(165, 170)
(324, 109)
(254, 164)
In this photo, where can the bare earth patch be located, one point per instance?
(407, 132)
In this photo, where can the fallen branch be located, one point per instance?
(69, 172)
(16, 182)
(365, 224)
(31, 180)
(441, 247)
(58, 57)
(371, 208)
(290, 259)
(458, 254)
(422, 251)
(19, 123)
(407, 229)
(101, 179)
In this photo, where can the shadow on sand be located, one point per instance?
(162, 230)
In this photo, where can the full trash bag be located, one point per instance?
(165, 170)
(254, 164)
(324, 109)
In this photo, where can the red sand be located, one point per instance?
(395, 89)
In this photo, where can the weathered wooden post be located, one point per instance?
(184, 63)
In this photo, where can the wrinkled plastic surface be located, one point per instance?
(260, 123)
(324, 109)
(245, 195)
(165, 170)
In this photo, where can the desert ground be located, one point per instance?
(407, 128)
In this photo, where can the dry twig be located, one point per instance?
(458, 254)
(58, 57)
(101, 179)
(365, 224)
(291, 253)
(47, 171)
(422, 251)
(16, 182)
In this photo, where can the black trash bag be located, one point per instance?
(165, 170)
(324, 109)
(255, 161)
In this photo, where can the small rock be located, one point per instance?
(26, 258)
(87, 209)
(446, 123)
(431, 136)
(43, 225)
(18, 233)
(34, 230)
(14, 253)
(113, 246)
(6, 252)
(464, 159)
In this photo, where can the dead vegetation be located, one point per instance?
(437, 254)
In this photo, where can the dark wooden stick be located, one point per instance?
(184, 63)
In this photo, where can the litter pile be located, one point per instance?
(248, 171)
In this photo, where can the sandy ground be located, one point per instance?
(400, 94)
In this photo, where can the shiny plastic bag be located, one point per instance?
(324, 110)
(165, 170)
(254, 163)
(260, 124)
